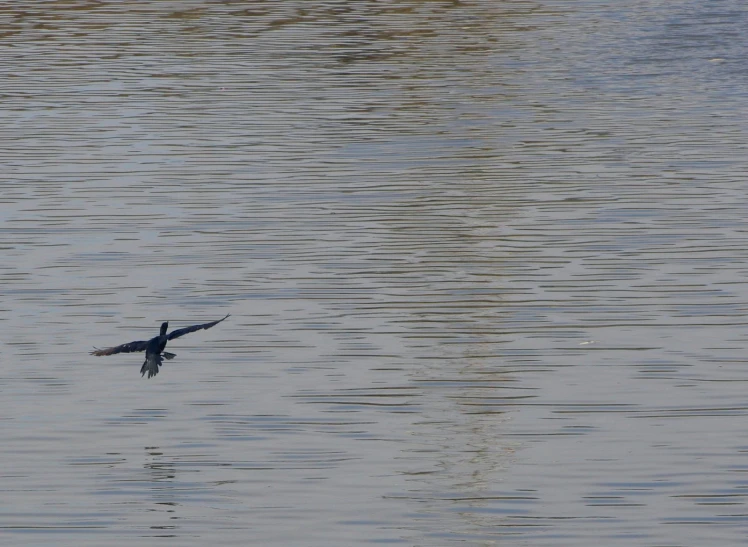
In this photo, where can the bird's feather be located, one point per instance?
(139, 345)
(151, 364)
(186, 330)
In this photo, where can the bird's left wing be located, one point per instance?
(139, 345)
(181, 332)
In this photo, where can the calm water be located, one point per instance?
(486, 263)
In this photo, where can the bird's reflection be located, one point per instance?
(159, 469)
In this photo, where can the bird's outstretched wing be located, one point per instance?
(139, 345)
(181, 332)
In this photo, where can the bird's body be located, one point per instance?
(154, 348)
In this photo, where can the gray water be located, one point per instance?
(486, 264)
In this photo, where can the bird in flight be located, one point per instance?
(154, 348)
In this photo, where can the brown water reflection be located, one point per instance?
(484, 262)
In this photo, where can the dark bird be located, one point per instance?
(154, 348)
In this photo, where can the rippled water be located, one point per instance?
(486, 264)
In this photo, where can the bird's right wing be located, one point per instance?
(186, 330)
(139, 345)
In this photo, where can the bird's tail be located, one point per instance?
(151, 364)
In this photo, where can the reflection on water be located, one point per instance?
(485, 264)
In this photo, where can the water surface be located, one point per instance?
(485, 263)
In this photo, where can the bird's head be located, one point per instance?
(164, 326)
